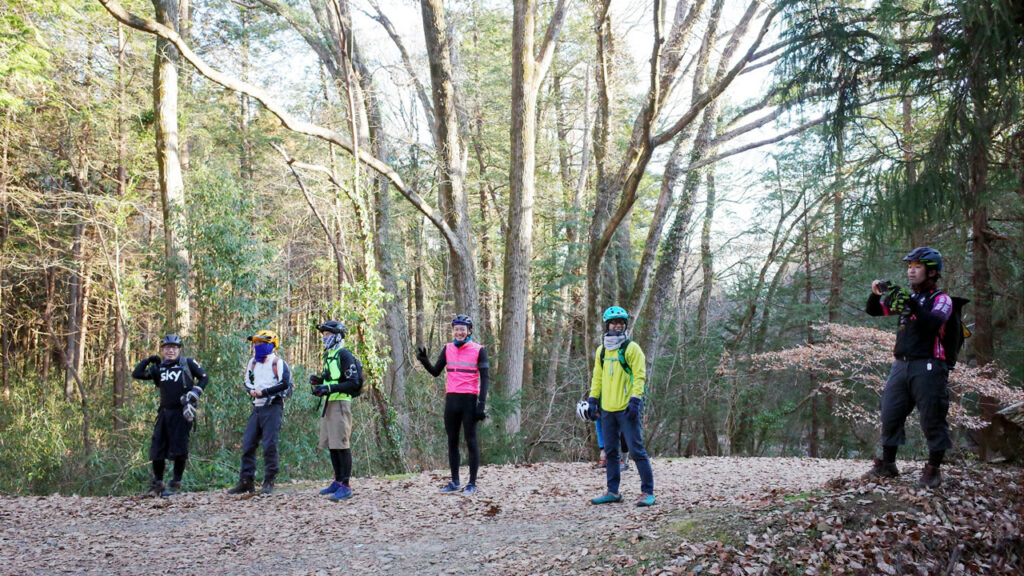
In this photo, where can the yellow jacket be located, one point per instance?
(611, 384)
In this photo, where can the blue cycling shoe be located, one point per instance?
(342, 493)
(331, 489)
(450, 488)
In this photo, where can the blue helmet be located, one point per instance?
(930, 257)
(172, 340)
(615, 312)
(463, 320)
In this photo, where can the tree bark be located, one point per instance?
(812, 440)
(449, 150)
(5, 348)
(75, 330)
(645, 270)
(121, 368)
(170, 179)
(706, 259)
(643, 141)
(527, 74)
(561, 322)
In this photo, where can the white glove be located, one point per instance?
(193, 395)
(189, 412)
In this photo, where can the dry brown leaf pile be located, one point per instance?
(714, 516)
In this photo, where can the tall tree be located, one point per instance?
(528, 72)
(451, 158)
(666, 57)
(168, 160)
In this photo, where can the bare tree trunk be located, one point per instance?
(907, 113)
(602, 160)
(76, 314)
(706, 259)
(245, 148)
(83, 397)
(418, 285)
(665, 60)
(488, 296)
(51, 296)
(171, 182)
(519, 239)
(394, 320)
(450, 158)
(835, 292)
(812, 441)
(527, 74)
(121, 369)
(5, 346)
(982, 342)
(645, 271)
(561, 330)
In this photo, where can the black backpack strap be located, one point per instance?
(187, 380)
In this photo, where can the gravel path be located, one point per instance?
(527, 519)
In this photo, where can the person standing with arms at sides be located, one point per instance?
(339, 379)
(181, 382)
(268, 381)
(466, 372)
(616, 394)
(919, 372)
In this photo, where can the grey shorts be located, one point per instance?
(336, 425)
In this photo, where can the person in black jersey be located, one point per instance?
(919, 373)
(181, 382)
(465, 364)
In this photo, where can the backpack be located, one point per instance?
(954, 331)
(359, 373)
(284, 394)
(359, 377)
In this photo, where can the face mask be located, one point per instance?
(613, 339)
(331, 339)
(263, 349)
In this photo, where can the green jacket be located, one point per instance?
(611, 384)
(333, 373)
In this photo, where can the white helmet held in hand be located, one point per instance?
(582, 410)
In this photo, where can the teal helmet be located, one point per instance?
(615, 312)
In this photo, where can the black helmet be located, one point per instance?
(930, 257)
(172, 340)
(332, 326)
(463, 320)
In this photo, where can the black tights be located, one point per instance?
(179, 468)
(341, 461)
(460, 410)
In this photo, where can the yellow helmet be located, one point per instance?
(265, 336)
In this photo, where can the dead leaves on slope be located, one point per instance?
(970, 525)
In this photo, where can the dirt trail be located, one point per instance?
(530, 519)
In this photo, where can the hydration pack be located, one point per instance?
(954, 332)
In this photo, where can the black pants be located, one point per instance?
(263, 428)
(170, 435)
(460, 410)
(920, 383)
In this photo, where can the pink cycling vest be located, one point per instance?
(463, 372)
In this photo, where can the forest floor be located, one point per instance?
(713, 516)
